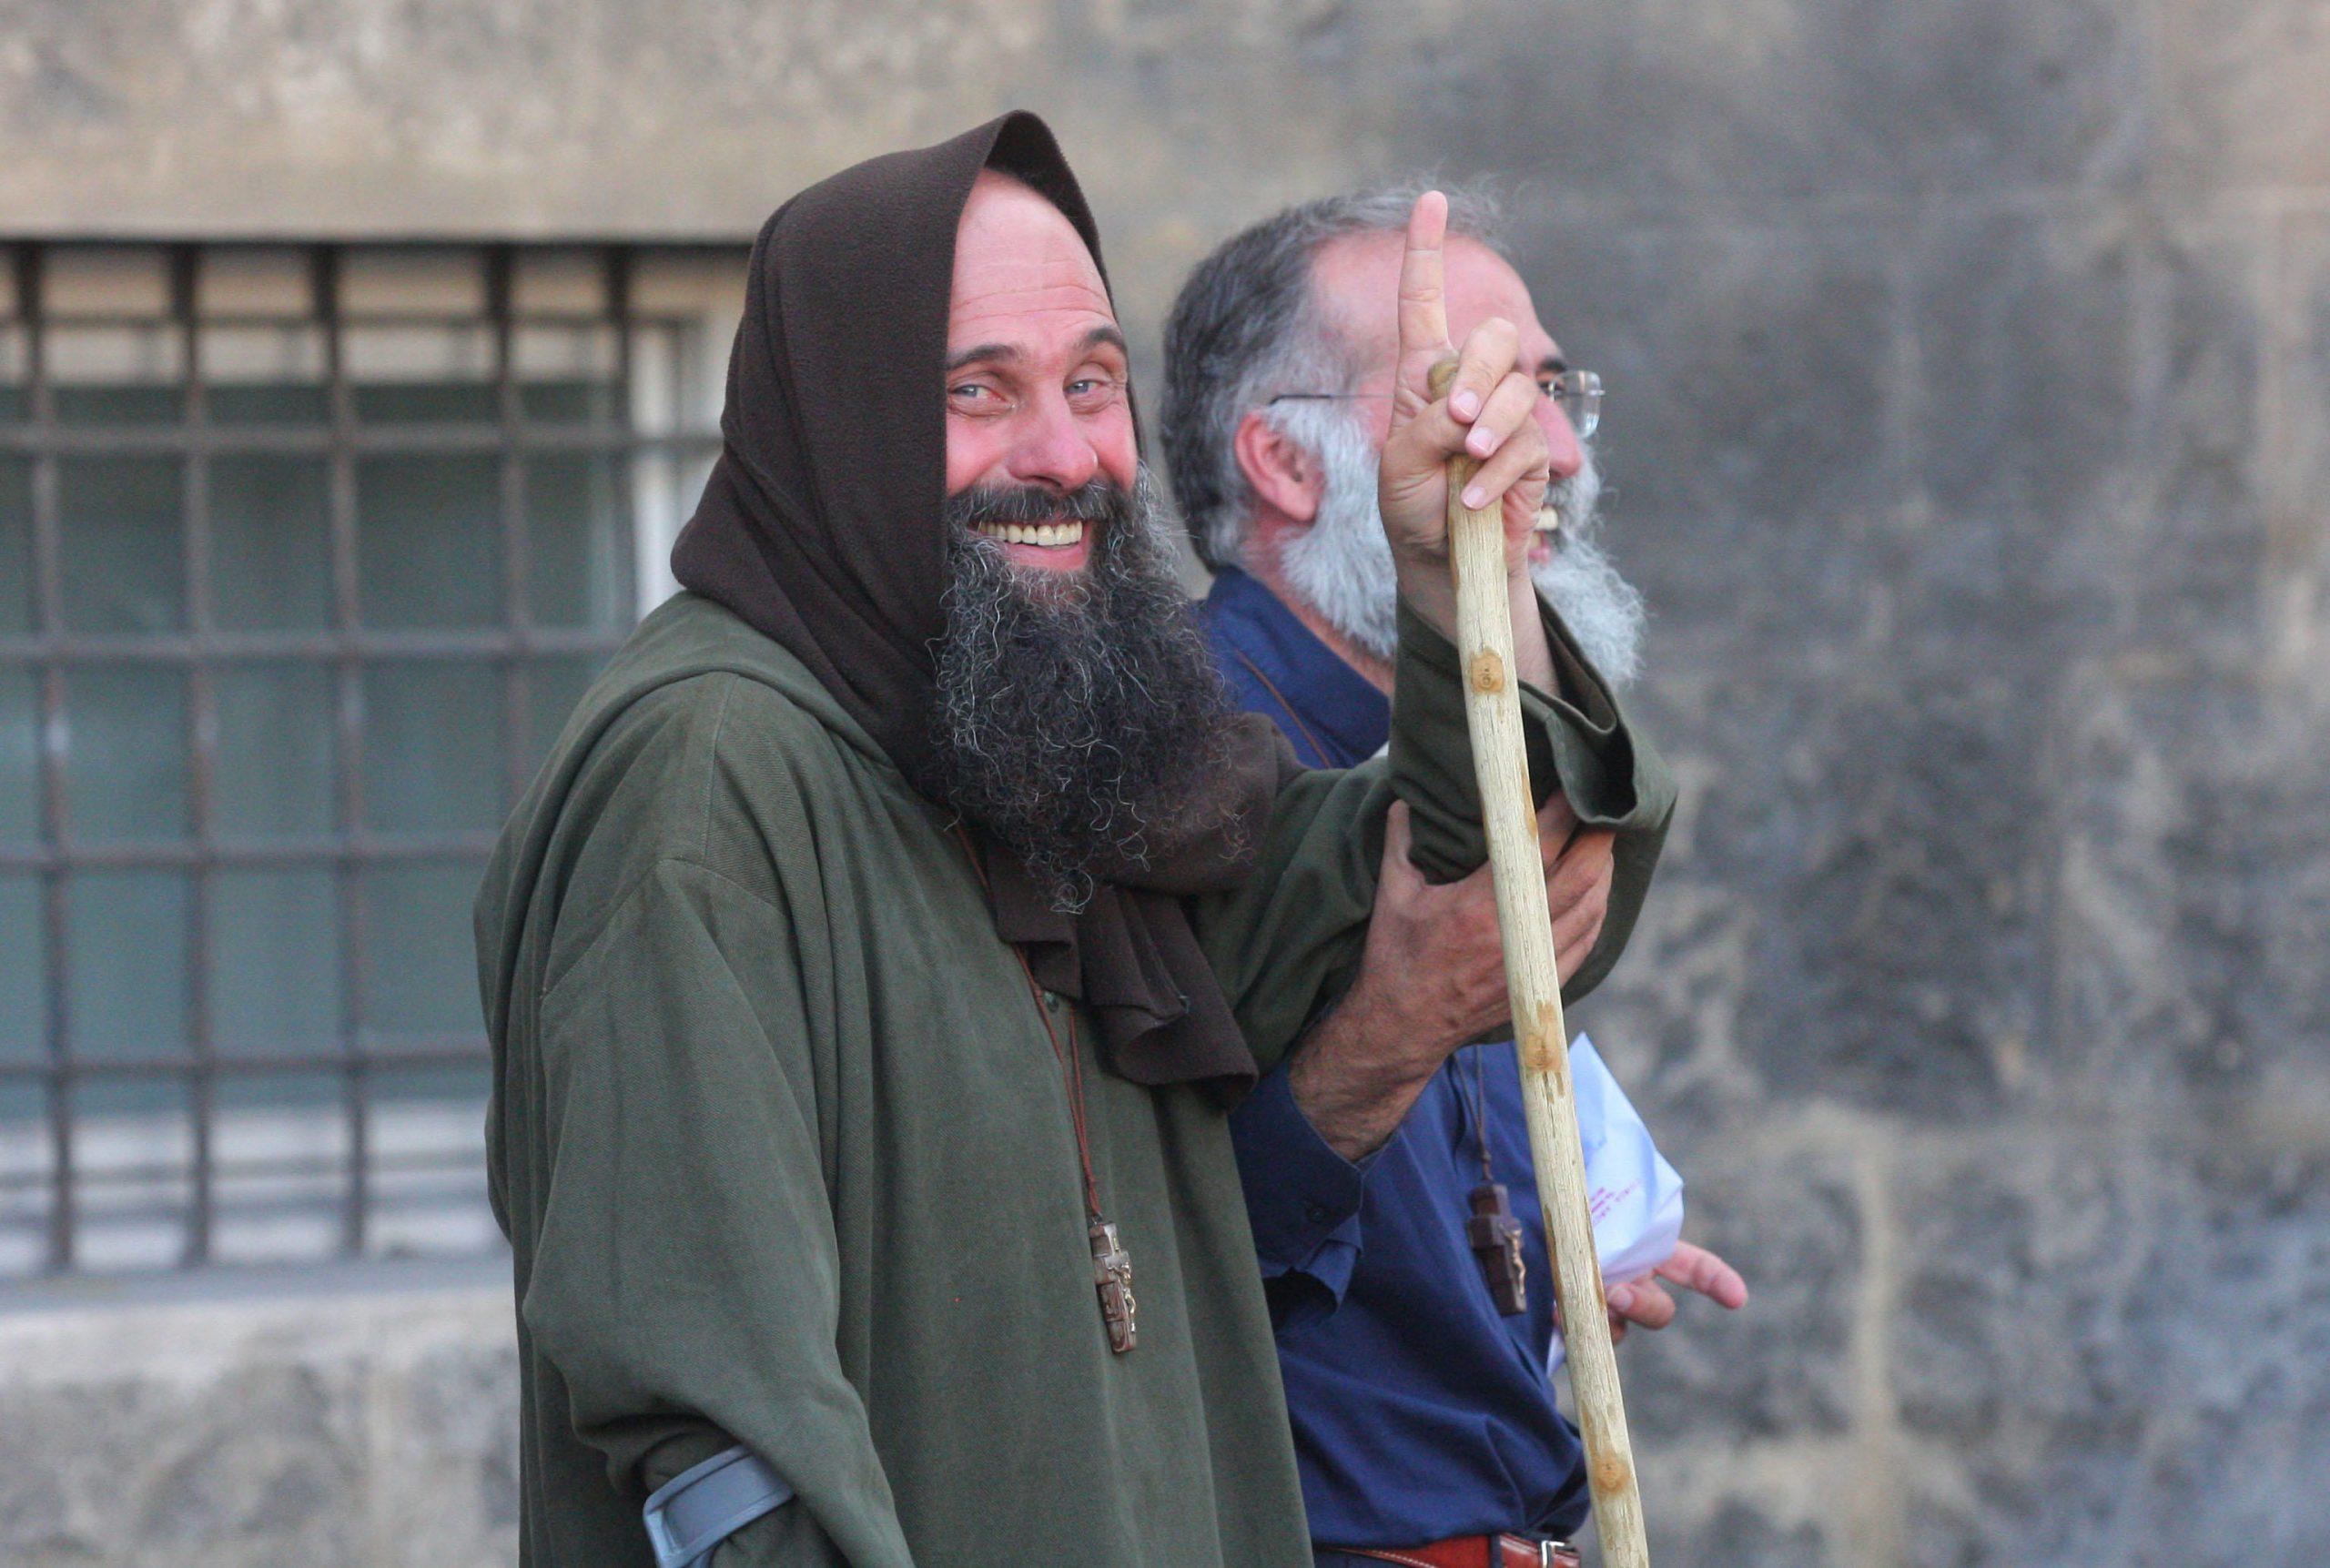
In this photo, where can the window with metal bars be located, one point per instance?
(305, 552)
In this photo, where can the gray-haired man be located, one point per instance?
(1413, 1355)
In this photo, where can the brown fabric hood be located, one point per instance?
(821, 528)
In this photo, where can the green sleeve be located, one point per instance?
(1287, 942)
(684, 1282)
(1579, 744)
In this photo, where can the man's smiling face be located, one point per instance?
(1079, 716)
(1037, 372)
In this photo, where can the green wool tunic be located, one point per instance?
(785, 1156)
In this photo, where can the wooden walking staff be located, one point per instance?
(1492, 712)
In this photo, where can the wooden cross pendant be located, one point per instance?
(1495, 1236)
(1112, 1277)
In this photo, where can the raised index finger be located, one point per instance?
(1423, 302)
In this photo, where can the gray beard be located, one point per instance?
(1342, 564)
(1078, 715)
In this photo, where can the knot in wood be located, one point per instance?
(1488, 672)
(1545, 1050)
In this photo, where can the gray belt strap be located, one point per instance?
(705, 1504)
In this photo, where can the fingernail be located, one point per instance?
(1466, 403)
(1621, 1297)
(1481, 441)
(1475, 496)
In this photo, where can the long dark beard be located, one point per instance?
(1078, 712)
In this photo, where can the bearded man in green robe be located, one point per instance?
(872, 965)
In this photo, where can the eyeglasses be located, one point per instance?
(1579, 392)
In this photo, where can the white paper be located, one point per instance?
(1635, 1197)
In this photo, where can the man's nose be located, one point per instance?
(1051, 447)
(1563, 456)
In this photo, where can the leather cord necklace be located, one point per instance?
(1111, 1264)
(1279, 698)
(1493, 1229)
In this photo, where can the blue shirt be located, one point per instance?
(1419, 1410)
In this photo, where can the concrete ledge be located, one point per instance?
(364, 1416)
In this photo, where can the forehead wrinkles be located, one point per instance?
(1030, 297)
(1018, 255)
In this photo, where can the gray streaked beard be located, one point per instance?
(1341, 565)
(1078, 715)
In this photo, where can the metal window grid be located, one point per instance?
(512, 435)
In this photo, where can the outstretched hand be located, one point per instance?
(1645, 1301)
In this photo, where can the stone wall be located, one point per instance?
(355, 1420)
(1969, 365)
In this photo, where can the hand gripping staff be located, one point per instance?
(1493, 715)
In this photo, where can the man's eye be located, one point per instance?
(971, 392)
(1091, 386)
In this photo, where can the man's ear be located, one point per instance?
(1287, 479)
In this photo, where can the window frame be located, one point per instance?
(672, 354)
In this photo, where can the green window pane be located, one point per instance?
(115, 404)
(569, 402)
(23, 1023)
(275, 961)
(16, 546)
(268, 403)
(270, 550)
(437, 1082)
(264, 372)
(433, 746)
(19, 755)
(428, 547)
(414, 402)
(273, 778)
(554, 685)
(125, 955)
(114, 373)
(126, 768)
(151, 1099)
(419, 916)
(15, 407)
(578, 541)
(122, 526)
(240, 1141)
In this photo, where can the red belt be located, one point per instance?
(1473, 1552)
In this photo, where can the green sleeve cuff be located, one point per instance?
(1579, 744)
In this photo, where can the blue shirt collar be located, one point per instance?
(1347, 720)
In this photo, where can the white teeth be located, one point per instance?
(1045, 533)
(1549, 519)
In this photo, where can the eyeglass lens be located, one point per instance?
(1580, 392)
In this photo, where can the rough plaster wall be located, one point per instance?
(1970, 364)
(376, 1430)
